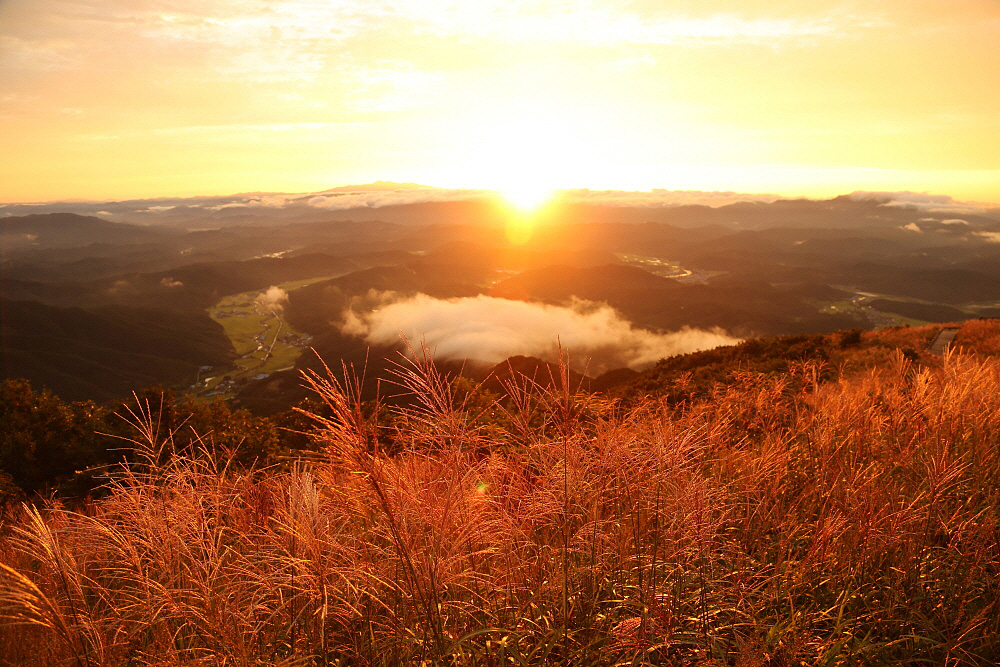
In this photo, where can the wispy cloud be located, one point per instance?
(378, 198)
(990, 237)
(660, 197)
(607, 23)
(273, 299)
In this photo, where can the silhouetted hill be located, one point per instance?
(740, 305)
(950, 286)
(108, 352)
(477, 257)
(928, 312)
(524, 372)
(610, 283)
(189, 286)
(698, 374)
(54, 230)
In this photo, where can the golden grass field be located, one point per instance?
(784, 520)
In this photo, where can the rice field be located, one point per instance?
(262, 340)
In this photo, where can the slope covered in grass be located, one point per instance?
(793, 517)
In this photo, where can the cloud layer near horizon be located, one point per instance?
(490, 329)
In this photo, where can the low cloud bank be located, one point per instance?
(381, 194)
(921, 201)
(658, 198)
(491, 329)
(379, 198)
(651, 199)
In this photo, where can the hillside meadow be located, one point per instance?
(834, 509)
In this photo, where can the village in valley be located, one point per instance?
(263, 341)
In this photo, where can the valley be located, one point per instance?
(263, 343)
(97, 309)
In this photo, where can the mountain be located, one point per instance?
(741, 305)
(61, 230)
(106, 353)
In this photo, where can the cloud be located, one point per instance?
(377, 195)
(273, 299)
(606, 23)
(170, 283)
(921, 201)
(490, 329)
(660, 197)
(232, 204)
(269, 201)
(913, 227)
(652, 199)
(989, 237)
(379, 198)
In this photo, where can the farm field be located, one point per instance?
(263, 341)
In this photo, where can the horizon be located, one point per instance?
(811, 100)
(414, 193)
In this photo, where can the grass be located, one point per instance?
(783, 521)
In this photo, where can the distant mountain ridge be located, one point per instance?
(410, 203)
(56, 230)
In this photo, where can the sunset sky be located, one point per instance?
(112, 99)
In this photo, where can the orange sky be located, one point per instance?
(133, 98)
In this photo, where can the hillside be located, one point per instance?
(64, 230)
(106, 353)
(837, 508)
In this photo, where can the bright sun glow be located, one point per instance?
(526, 198)
(526, 153)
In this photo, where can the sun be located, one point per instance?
(526, 198)
(526, 153)
(525, 205)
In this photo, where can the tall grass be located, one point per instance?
(784, 521)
